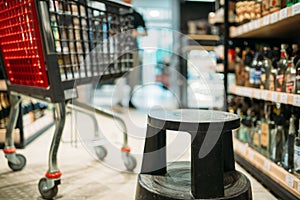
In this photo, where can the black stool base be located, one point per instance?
(176, 184)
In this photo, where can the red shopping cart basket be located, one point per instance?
(48, 48)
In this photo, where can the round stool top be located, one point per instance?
(193, 120)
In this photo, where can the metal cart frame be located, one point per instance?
(48, 48)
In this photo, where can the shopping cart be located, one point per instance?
(48, 48)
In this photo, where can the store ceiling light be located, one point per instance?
(154, 13)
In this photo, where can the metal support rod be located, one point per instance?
(84, 108)
(13, 117)
(60, 123)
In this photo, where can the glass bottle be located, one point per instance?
(297, 154)
(255, 70)
(265, 128)
(268, 72)
(290, 77)
(281, 68)
(257, 137)
(258, 9)
(248, 57)
(275, 5)
(288, 152)
(265, 7)
(289, 3)
(239, 68)
(297, 61)
(277, 135)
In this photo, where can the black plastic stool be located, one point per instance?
(210, 174)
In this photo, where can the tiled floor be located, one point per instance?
(84, 177)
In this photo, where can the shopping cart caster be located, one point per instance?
(101, 152)
(48, 186)
(129, 160)
(16, 161)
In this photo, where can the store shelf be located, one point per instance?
(30, 131)
(200, 47)
(281, 24)
(277, 97)
(204, 37)
(268, 169)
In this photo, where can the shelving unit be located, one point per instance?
(266, 95)
(27, 129)
(202, 42)
(275, 177)
(282, 25)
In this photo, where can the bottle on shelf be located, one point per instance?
(297, 61)
(290, 3)
(275, 5)
(258, 9)
(244, 133)
(288, 152)
(256, 135)
(277, 137)
(247, 59)
(265, 127)
(255, 70)
(268, 72)
(239, 67)
(281, 68)
(265, 7)
(290, 77)
(297, 154)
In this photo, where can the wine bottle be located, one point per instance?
(297, 61)
(290, 77)
(288, 152)
(297, 154)
(281, 68)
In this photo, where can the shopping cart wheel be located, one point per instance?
(129, 161)
(45, 192)
(101, 152)
(20, 165)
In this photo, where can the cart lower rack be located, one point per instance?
(48, 48)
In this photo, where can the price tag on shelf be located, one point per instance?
(248, 92)
(283, 14)
(245, 28)
(251, 155)
(257, 94)
(289, 180)
(274, 17)
(257, 24)
(251, 25)
(284, 98)
(240, 30)
(296, 100)
(264, 94)
(233, 32)
(243, 91)
(274, 97)
(266, 20)
(296, 9)
(243, 149)
(267, 165)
